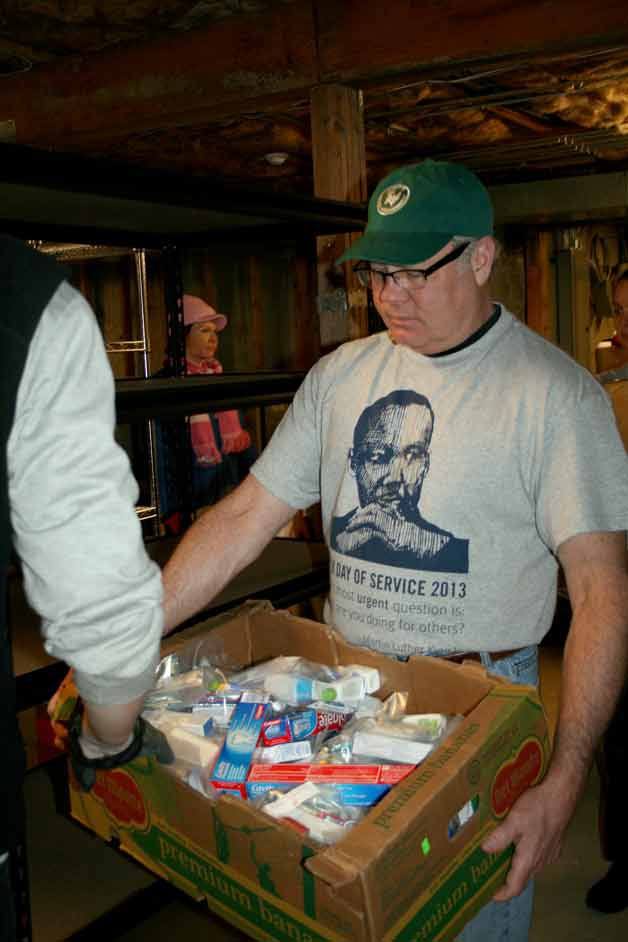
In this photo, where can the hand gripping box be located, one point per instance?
(411, 871)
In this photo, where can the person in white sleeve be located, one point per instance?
(67, 499)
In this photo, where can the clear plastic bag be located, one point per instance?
(316, 809)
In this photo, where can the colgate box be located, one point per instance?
(411, 871)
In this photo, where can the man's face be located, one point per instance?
(620, 303)
(392, 459)
(434, 315)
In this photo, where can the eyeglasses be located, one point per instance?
(406, 278)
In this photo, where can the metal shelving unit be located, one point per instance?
(110, 204)
(75, 253)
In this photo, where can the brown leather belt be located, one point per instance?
(477, 656)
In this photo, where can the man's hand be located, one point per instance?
(392, 529)
(368, 523)
(535, 824)
(88, 755)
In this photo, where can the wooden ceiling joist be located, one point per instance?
(247, 62)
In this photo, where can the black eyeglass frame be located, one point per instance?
(365, 272)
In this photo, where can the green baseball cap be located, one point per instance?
(417, 209)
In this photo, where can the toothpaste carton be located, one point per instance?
(232, 765)
(358, 785)
(285, 752)
(292, 727)
(262, 778)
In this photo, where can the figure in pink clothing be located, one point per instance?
(221, 451)
(202, 324)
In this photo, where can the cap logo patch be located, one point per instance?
(392, 199)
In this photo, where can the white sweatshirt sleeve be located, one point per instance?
(72, 496)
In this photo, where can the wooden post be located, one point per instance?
(583, 350)
(256, 301)
(339, 160)
(305, 345)
(540, 295)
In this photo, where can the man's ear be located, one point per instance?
(352, 460)
(483, 259)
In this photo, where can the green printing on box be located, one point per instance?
(215, 881)
(436, 919)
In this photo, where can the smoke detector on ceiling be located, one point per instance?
(276, 158)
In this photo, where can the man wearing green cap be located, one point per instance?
(526, 468)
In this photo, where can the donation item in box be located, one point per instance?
(411, 871)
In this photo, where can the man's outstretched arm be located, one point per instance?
(218, 546)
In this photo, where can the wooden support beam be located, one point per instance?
(583, 348)
(540, 290)
(356, 40)
(180, 81)
(257, 61)
(339, 162)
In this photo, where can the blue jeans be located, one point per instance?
(510, 921)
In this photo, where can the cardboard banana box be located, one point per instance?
(411, 871)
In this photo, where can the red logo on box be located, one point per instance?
(122, 798)
(514, 776)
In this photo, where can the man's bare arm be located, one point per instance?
(218, 546)
(596, 651)
(594, 669)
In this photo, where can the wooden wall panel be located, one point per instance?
(339, 161)
(508, 279)
(265, 295)
(540, 293)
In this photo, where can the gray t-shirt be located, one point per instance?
(448, 483)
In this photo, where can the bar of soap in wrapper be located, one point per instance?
(191, 748)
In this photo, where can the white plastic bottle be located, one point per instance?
(354, 683)
(290, 688)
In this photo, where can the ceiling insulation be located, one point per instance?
(511, 118)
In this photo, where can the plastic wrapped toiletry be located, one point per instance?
(295, 687)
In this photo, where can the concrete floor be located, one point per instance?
(75, 877)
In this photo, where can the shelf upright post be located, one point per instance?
(142, 294)
(173, 277)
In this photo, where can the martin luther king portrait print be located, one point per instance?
(390, 460)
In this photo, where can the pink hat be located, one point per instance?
(195, 311)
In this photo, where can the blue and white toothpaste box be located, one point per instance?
(235, 757)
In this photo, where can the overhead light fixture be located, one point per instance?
(276, 158)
